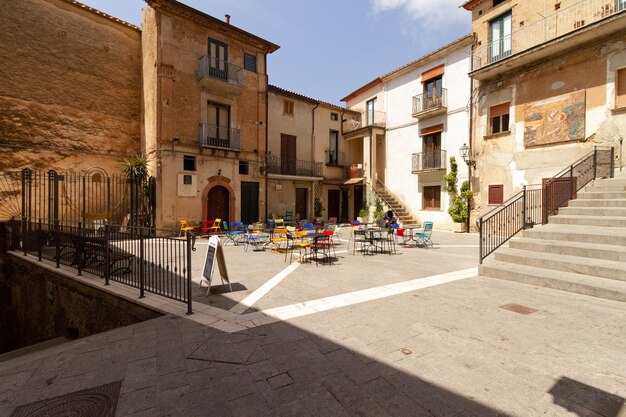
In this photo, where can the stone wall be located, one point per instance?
(37, 305)
(70, 95)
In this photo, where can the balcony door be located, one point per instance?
(302, 203)
(431, 151)
(218, 59)
(287, 154)
(218, 124)
(371, 112)
(432, 92)
(500, 37)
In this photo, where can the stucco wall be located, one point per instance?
(70, 96)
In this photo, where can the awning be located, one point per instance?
(353, 181)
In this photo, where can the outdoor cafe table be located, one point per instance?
(372, 235)
(409, 235)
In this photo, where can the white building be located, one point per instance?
(414, 119)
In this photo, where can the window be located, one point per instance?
(187, 179)
(500, 37)
(431, 197)
(621, 5)
(334, 116)
(371, 112)
(189, 163)
(218, 125)
(288, 107)
(499, 118)
(620, 88)
(249, 62)
(431, 151)
(432, 92)
(333, 148)
(496, 194)
(243, 167)
(218, 59)
(496, 2)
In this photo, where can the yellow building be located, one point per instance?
(549, 85)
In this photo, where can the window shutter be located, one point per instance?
(496, 194)
(431, 129)
(432, 73)
(499, 110)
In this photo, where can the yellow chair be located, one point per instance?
(185, 227)
(279, 237)
(300, 241)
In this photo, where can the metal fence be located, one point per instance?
(278, 165)
(151, 260)
(535, 203)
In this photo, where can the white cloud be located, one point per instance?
(434, 13)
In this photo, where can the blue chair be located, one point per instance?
(422, 238)
(235, 234)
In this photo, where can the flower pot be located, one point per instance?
(460, 227)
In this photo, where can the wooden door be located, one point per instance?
(218, 204)
(301, 203)
(249, 202)
(333, 203)
(287, 154)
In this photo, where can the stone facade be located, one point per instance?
(70, 95)
(555, 71)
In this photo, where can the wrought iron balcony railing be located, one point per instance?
(561, 22)
(428, 161)
(277, 165)
(335, 158)
(219, 136)
(437, 100)
(211, 67)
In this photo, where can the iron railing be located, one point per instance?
(148, 259)
(219, 136)
(535, 203)
(277, 165)
(428, 161)
(561, 22)
(335, 158)
(427, 102)
(219, 69)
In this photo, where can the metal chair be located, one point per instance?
(185, 227)
(235, 234)
(423, 237)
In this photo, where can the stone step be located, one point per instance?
(567, 263)
(566, 281)
(594, 211)
(605, 187)
(560, 247)
(576, 233)
(601, 195)
(589, 202)
(608, 221)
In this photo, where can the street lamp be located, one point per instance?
(465, 154)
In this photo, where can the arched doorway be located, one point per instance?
(218, 203)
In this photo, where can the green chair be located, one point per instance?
(422, 238)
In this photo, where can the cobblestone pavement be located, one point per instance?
(452, 346)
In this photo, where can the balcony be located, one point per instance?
(220, 75)
(428, 161)
(579, 17)
(424, 106)
(293, 167)
(223, 137)
(335, 159)
(365, 119)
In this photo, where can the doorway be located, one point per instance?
(218, 203)
(333, 203)
(301, 203)
(249, 202)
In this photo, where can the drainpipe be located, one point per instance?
(470, 137)
(264, 157)
(312, 200)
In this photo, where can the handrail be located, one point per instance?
(536, 202)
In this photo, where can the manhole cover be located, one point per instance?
(93, 402)
(518, 308)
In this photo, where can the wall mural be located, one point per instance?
(555, 120)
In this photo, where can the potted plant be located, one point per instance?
(379, 214)
(460, 200)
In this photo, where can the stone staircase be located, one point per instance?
(402, 214)
(581, 250)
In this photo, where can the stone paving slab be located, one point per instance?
(445, 350)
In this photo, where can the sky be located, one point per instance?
(330, 48)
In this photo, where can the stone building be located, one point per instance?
(70, 89)
(549, 85)
(205, 104)
(308, 158)
(412, 120)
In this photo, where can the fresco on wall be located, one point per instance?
(555, 120)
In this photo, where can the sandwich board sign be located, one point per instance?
(214, 252)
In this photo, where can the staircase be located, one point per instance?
(400, 212)
(581, 250)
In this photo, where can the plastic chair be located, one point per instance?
(423, 238)
(185, 227)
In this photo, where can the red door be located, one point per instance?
(333, 203)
